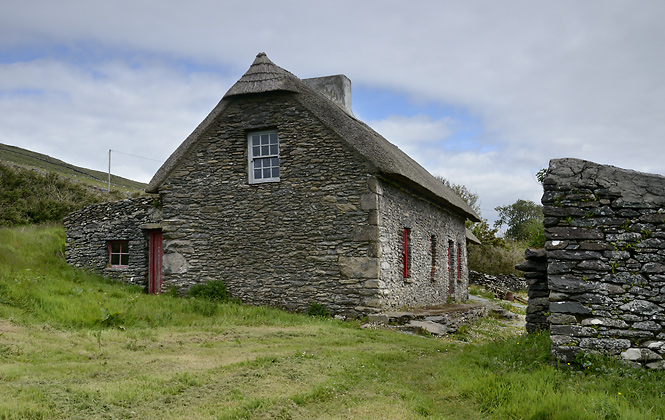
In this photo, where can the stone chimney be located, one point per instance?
(337, 88)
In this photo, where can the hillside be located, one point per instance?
(16, 156)
(36, 188)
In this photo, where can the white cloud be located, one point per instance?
(413, 133)
(78, 114)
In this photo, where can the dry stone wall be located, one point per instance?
(535, 273)
(90, 230)
(605, 230)
(426, 285)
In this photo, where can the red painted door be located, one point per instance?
(155, 271)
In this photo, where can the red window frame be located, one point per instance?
(406, 253)
(459, 261)
(432, 241)
(118, 253)
(451, 265)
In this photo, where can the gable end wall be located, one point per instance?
(306, 239)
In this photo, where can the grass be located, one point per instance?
(78, 346)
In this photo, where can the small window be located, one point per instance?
(406, 253)
(263, 155)
(119, 253)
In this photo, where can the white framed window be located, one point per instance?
(263, 147)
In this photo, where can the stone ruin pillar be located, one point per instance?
(535, 273)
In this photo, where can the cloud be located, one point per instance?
(79, 113)
(412, 133)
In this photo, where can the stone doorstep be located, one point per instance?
(439, 320)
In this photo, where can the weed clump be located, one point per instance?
(316, 309)
(213, 290)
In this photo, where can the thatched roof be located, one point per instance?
(264, 76)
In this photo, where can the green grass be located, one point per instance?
(77, 346)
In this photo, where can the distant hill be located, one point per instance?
(16, 156)
(36, 188)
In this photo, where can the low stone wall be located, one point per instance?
(510, 282)
(90, 230)
(535, 273)
(605, 230)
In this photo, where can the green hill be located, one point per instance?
(28, 159)
(35, 188)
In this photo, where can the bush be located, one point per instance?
(214, 290)
(30, 197)
(496, 259)
(316, 309)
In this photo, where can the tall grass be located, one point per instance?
(37, 285)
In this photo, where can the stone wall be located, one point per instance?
(399, 209)
(304, 239)
(535, 273)
(90, 230)
(506, 281)
(605, 230)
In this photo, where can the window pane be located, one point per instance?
(257, 174)
(266, 173)
(264, 139)
(115, 259)
(265, 150)
(256, 151)
(124, 260)
(273, 149)
(256, 140)
(275, 172)
(258, 163)
(275, 162)
(273, 138)
(115, 247)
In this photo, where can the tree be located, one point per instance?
(523, 217)
(466, 195)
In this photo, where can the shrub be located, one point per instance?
(316, 309)
(213, 290)
(495, 259)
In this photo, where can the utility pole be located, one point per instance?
(109, 189)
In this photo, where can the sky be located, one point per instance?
(483, 93)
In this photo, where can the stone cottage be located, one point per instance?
(289, 199)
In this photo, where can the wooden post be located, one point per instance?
(109, 187)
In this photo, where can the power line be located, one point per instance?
(140, 157)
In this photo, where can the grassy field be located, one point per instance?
(77, 346)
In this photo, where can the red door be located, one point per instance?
(155, 271)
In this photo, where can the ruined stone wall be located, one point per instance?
(606, 261)
(507, 281)
(90, 230)
(304, 239)
(398, 209)
(535, 273)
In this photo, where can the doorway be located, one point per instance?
(155, 262)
